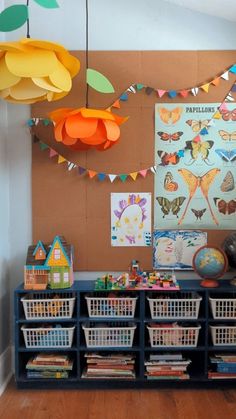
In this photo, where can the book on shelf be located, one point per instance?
(49, 367)
(47, 374)
(166, 356)
(168, 377)
(220, 375)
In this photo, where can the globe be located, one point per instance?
(210, 263)
(229, 246)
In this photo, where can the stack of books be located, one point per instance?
(223, 366)
(112, 366)
(45, 365)
(167, 366)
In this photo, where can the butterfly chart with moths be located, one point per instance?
(195, 155)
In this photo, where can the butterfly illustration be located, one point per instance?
(227, 136)
(169, 183)
(170, 158)
(198, 213)
(227, 184)
(170, 206)
(228, 115)
(170, 116)
(203, 182)
(164, 136)
(198, 125)
(224, 207)
(226, 155)
(199, 148)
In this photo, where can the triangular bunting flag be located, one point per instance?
(81, 170)
(161, 92)
(139, 86)
(61, 159)
(197, 139)
(123, 177)
(184, 93)
(172, 93)
(211, 123)
(233, 88)
(112, 177)
(30, 122)
(205, 87)
(149, 90)
(204, 131)
(91, 173)
(52, 153)
(134, 175)
(116, 104)
(153, 169)
(131, 89)
(216, 115)
(143, 172)
(101, 176)
(229, 98)
(233, 69)
(43, 146)
(46, 122)
(225, 76)
(223, 106)
(124, 96)
(35, 139)
(216, 81)
(70, 166)
(195, 91)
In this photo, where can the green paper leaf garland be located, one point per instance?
(13, 17)
(48, 4)
(99, 82)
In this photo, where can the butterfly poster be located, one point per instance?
(131, 219)
(195, 156)
(174, 249)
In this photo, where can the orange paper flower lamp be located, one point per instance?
(84, 128)
(34, 70)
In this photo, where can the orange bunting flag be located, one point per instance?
(216, 81)
(116, 104)
(92, 173)
(134, 175)
(61, 159)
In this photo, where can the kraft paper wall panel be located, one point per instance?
(79, 208)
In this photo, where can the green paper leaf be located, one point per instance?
(99, 82)
(13, 17)
(48, 4)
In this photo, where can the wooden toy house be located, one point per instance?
(49, 265)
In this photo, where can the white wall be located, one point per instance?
(114, 25)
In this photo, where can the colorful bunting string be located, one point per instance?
(123, 176)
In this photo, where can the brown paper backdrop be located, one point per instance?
(79, 208)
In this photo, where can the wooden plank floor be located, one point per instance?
(120, 404)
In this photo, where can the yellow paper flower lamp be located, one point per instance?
(35, 70)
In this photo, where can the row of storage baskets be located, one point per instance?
(123, 335)
(36, 306)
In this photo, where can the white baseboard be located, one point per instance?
(5, 368)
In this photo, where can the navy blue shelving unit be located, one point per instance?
(141, 345)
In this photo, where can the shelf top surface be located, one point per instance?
(185, 285)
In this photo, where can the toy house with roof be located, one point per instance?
(49, 265)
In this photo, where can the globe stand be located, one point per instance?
(209, 283)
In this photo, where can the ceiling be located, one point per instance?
(225, 9)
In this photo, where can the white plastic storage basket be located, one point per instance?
(173, 336)
(111, 306)
(223, 308)
(223, 335)
(109, 336)
(41, 306)
(44, 337)
(167, 306)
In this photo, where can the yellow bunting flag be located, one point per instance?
(61, 159)
(134, 175)
(205, 87)
(217, 115)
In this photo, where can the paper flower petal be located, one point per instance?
(58, 130)
(69, 61)
(61, 78)
(112, 129)
(98, 138)
(58, 114)
(79, 127)
(38, 63)
(7, 79)
(26, 90)
(44, 82)
(96, 113)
